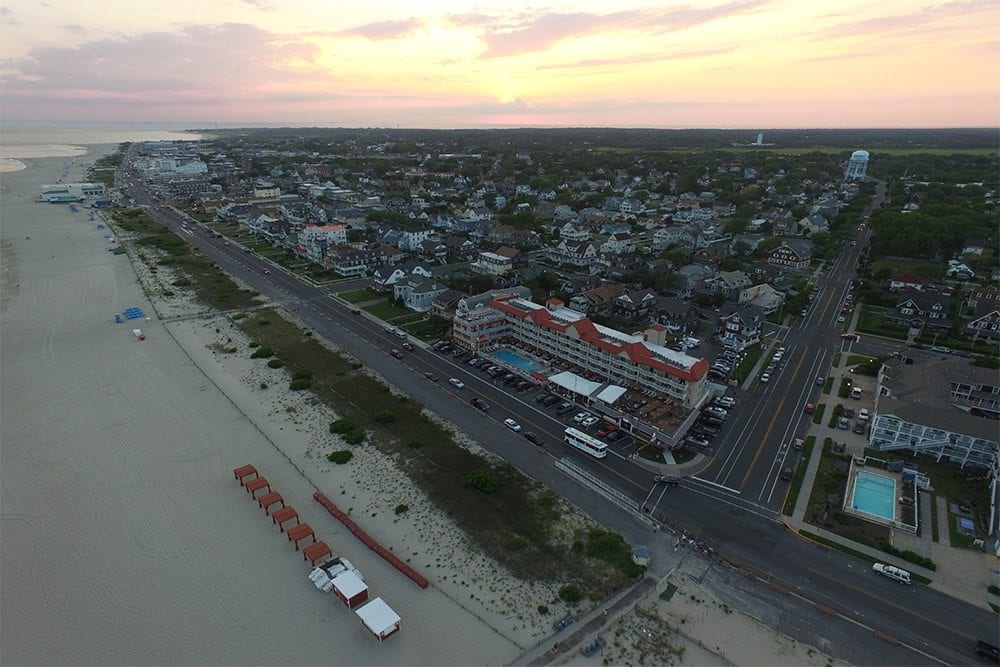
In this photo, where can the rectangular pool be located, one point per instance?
(515, 359)
(875, 494)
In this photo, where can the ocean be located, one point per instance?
(27, 139)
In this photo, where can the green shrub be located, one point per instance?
(543, 609)
(482, 479)
(401, 508)
(263, 385)
(570, 594)
(341, 457)
(415, 444)
(182, 282)
(354, 437)
(993, 588)
(275, 363)
(254, 344)
(909, 556)
(299, 385)
(384, 417)
(168, 292)
(302, 374)
(262, 352)
(342, 426)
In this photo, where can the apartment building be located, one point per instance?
(573, 338)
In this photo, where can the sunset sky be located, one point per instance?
(447, 63)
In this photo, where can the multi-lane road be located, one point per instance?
(732, 504)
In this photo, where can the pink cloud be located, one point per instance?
(538, 32)
(384, 29)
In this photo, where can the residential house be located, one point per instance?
(492, 264)
(411, 239)
(918, 310)
(433, 251)
(461, 249)
(385, 277)
(813, 223)
(580, 254)
(351, 262)
(314, 241)
(694, 276)
(446, 303)
(574, 232)
(792, 254)
(906, 282)
(985, 322)
(763, 296)
(741, 328)
(979, 295)
(674, 314)
(617, 244)
(728, 282)
(596, 299)
(959, 271)
(418, 293)
(635, 305)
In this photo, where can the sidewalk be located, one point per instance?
(961, 573)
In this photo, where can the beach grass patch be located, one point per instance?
(341, 457)
(483, 480)
(275, 363)
(262, 352)
(354, 437)
(342, 426)
(299, 385)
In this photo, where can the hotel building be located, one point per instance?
(624, 359)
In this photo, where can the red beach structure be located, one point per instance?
(315, 551)
(243, 472)
(255, 485)
(300, 532)
(284, 514)
(269, 499)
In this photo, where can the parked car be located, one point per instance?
(863, 415)
(786, 474)
(718, 412)
(589, 421)
(844, 424)
(565, 408)
(848, 412)
(798, 444)
(479, 403)
(474, 361)
(509, 378)
(524, 386)
(512, 425)
(606, 430)
(697, 442)
(859, 427)
(820, 380)
(615, 436)
(457, 383)
(580, 416)
(725, 401)
(541, 398)
(810, 408)
(765, 378)
(551, 400)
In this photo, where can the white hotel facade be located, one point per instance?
(629, 360)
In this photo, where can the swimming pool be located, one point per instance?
(875, 494)
(515, 359)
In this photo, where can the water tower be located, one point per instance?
(857, 166)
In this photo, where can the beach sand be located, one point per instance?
(127, 540)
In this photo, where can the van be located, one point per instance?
(893, 572)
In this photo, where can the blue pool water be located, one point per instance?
(875, 494)
(514, 359)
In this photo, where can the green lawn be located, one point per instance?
(828, 385)
(872, 321)
(387, 310)
(856, 359)
(818, 415)
(927, 270)
(800, 472)
(359, 295)
(934, 518)
(752, 355)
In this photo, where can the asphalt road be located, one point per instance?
(732, 506)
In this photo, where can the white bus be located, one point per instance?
(586, 443)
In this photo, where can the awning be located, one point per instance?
(610, 394)
(574, 383)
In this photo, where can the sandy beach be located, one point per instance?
(127, 540)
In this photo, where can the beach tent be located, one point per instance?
(379, 618)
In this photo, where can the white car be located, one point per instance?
(589, 421)
(579, 417)
(725, 401)
(458, 383)
(765, 378)
(863, 415)
(512, 425)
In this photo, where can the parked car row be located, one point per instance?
(709, 423)
(724, 365)
(776, 361)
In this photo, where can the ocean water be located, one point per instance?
(26, 139)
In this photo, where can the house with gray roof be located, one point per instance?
(917, 310)
(791, 254)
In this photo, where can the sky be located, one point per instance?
(455, 64)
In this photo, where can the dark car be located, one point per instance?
(786, 474)
(859, 427)
(431, 377)
(987, 652)
(532, 438)
(565, 408)
(541, 398)
(615, 436)
(551, 400)
(669, 480)
(479, 403)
